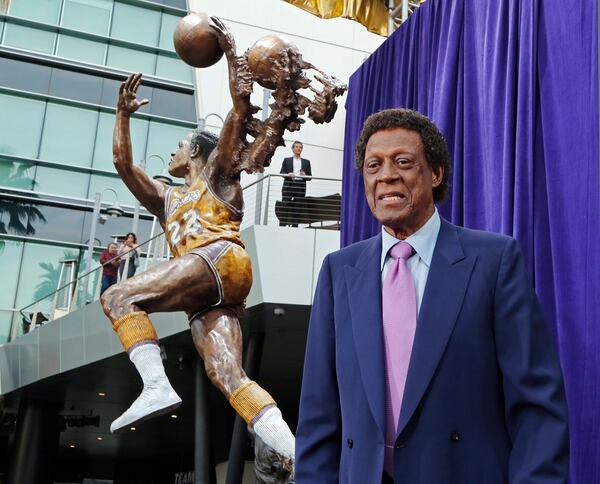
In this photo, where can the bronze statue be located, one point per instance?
(210, 274)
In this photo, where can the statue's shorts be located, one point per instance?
(232, 269)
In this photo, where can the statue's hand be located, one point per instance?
(128, 102)
(226, 41)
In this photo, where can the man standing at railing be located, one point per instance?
(294, 185)
(110, 266)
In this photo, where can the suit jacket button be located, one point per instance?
(454, 436)
(350, 443)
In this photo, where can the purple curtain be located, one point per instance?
(513, 85)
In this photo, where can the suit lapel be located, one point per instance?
(363, 282)
(444, 293)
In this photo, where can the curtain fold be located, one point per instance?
(513, 86)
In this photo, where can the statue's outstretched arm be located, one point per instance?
(233, 134)
(150, 193)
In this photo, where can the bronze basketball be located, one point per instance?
(195, 42)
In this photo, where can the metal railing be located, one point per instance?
(264, 202)
(319, 208)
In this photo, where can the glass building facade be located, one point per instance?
(61, 63)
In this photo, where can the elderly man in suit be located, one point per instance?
(428, 359)
(294, 185)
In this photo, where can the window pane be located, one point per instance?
(135, 24)
(61, 181)
(103, 157)
(88, 15)
(131, 60)
(170, 68)
(28, 38)
(168, 24)
(10, 254)
(20, 125)
(163, 139)
(173, 104)
(75, 85)
(56, 223)
(39, 273)
(80, 49)
(99, 182)
(25, 76)
(46, 11)
(16, 175)
(69, 134)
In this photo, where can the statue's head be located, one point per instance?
(274, 61)
(196, 147)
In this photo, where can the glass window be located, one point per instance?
(163, 139)
(87, 15)
(103, 156)
(131, 60)
(57, 223)
(75, 85)
(65, 182)
(29, 38)
(39, 273)
(24, 76)
(135, 24)
(10, 253)
(172, 104)
(80, 49)
(171, 68)
(168, 24)
(19, 217)
(69, 134)
(15, 174)
(20, 125)
(46, 11)
(100, 182)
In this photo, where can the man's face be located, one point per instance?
(112, 249)
(398, 180)
(180, 160)
(297, 149)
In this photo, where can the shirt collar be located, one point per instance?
(423, 240)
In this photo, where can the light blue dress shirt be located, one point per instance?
(423, 241)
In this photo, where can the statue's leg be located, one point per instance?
(182, 284)
(218, 339)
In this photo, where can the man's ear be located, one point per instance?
(195, 151)
(436, 176)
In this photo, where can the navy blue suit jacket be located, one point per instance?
(484, 399)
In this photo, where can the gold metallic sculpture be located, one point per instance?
(373, 14)
(210, 274)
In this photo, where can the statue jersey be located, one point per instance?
(198, 217)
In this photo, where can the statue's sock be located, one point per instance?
(259, 410)
(148, 363)
(273, 430)
(157, 397)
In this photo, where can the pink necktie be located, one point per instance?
(399, 324)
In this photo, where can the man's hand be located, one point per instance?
(226, 41)
(127, 101)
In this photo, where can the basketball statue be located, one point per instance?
(210, 273)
